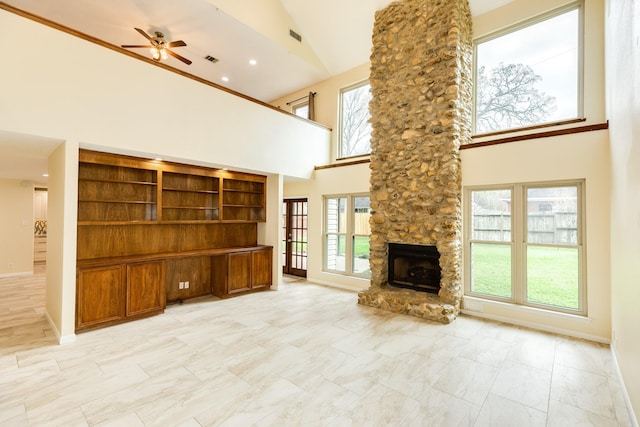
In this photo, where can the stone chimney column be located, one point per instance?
(421, 82)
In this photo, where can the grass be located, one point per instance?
(552, 274)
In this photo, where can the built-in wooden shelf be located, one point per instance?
(152, 232)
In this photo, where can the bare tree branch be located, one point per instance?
(356, 129)
(508, 98)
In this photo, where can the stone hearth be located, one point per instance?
(421, 114)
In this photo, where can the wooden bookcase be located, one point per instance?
(151, 231)
(243, 200)
(123, 189)
(187, 197)
(116, 193)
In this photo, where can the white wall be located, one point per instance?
(623, 107)
(327, 101)
(60, 298)
(76, 90)
(328, 182)
(579, 156)
(16, 227)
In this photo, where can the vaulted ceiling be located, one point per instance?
(335, 37)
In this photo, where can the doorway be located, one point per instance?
(294, 237)
(40, 198)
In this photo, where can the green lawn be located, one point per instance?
(360, 246)
(552, 273)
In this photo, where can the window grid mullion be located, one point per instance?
(518, 262)
(348, 252)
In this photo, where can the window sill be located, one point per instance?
(528, 128)
(338, 165)
(535, 135)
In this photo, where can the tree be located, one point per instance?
(508, 98)
(355, 126)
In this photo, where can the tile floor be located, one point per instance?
(306, 355)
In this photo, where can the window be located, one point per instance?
(524, 245)
(529, 75)
(347, 234)
(355, 129)
(301, 110)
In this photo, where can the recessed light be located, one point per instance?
(45, 175)
(252, 62)
(225, 78)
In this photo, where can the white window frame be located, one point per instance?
(349, 234)
(519, 244)
(577, 5)
(340, 153)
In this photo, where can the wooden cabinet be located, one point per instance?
(145, 288)
(261, 268)
(238, 272)
(241, 272)
(40, 248)
(100, 296)
(115, 293)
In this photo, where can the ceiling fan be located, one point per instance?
(159, 47)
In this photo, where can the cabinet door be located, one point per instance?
(239, 272)
(145, 287)
(261, 268)
(100, 296)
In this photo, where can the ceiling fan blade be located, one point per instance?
(145, 35)
(131, 46)
(177, 43)
(181, 58)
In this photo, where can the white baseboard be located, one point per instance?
(61, 339)
(18, 274)
(537, 326)
(627, 399)
(336, 285)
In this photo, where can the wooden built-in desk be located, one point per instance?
(118, 289)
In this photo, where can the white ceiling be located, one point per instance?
(336, 36)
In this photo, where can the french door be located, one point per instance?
(294, 237)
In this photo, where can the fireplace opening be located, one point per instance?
(414, 267)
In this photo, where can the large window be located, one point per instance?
(529, 75)
(347, 232)
(355, 129)
(524, 245)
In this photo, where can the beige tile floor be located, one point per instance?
(306, 355)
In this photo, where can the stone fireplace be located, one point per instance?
(421, 114)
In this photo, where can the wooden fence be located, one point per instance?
(544, 227)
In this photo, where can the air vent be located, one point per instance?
(211, 59)
(295, 35)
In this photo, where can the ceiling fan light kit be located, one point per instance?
(159, 48)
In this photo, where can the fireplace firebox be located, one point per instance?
(414, 267)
